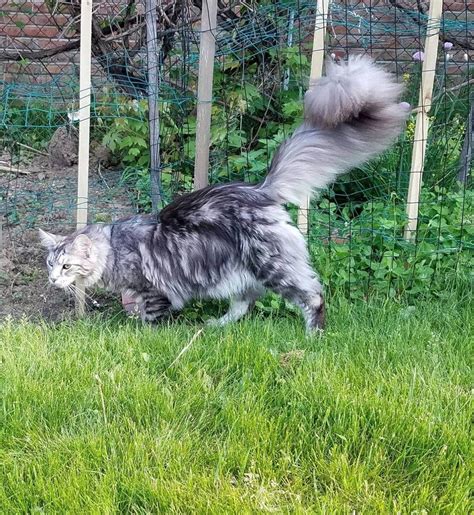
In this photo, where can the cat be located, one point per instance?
(237, 240)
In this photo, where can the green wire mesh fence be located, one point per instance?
(263, 54)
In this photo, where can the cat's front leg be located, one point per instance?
(153, 306)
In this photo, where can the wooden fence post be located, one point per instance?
(466, 154)
(317, 61)
(422, 122)
(153, 67)
(84, 132)
(207, 49)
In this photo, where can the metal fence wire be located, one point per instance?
(261, 70)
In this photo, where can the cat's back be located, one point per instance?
(216, 205)
(129, 232)
(134, 221)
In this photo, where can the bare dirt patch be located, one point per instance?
(44, 195)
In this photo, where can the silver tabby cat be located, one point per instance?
(237, 240)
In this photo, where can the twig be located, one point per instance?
(101, 176)
(165, 16)
(270, 99)
(72, 21)
(460, 86)
(33, 55)
(101, 393)
(119, 35)
(9, 169)
(35, 150)
(454, 88)
(13, 282)
(19, 55)
(186, 347)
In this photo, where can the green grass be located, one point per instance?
(373, 416)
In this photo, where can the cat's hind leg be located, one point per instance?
(153, 306)
(239, 306)
(298, 283)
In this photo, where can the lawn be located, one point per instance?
(108, 416)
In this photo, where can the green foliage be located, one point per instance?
(32, 123)
(251, 118)
(124, 130)
(126, 133)
(129, 138)
(243, 138)
(366, 252)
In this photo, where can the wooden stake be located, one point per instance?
(153, 110)
(422, 121)
(207, 51)
(291, 24)
(84, 131)
(466, 153)
(317, 61)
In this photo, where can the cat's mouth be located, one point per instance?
(61, 282)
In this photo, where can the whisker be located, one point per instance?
(75, 294)
(86, 295)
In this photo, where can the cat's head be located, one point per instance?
(70, 258)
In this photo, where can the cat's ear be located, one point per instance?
(49, 240)
(82, 244)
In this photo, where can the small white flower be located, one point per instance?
(418, 56)
(74, 116)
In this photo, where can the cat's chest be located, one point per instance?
(126, 271)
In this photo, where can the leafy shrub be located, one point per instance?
(367, 252)
(251, 118)
(29, 122)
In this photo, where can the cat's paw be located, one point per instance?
(215, 322)
(314, 332)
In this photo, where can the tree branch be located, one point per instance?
(37, 55)
(465, 43)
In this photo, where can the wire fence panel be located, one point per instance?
(261, 71)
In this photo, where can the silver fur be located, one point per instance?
(236, 240)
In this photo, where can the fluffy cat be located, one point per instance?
(236, 240)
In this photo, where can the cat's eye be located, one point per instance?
(66, 267)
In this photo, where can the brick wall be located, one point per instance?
(392, 36)
(28, 25)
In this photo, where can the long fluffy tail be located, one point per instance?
(351, 115)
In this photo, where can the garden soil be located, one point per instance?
(43, 195)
